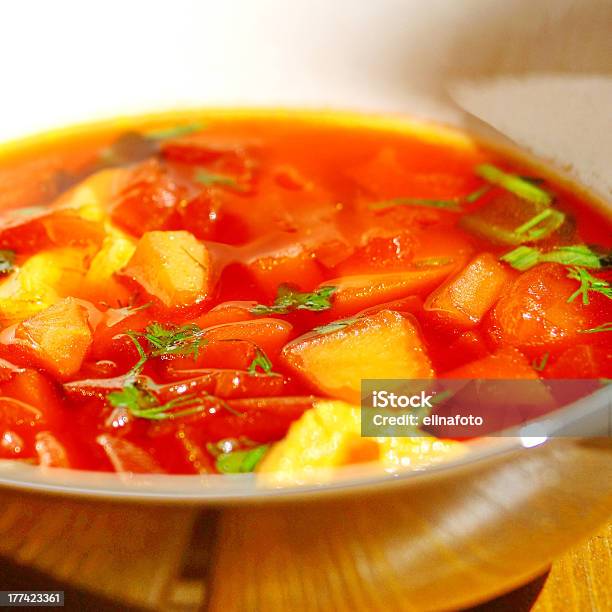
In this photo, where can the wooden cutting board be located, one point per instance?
(122, 557)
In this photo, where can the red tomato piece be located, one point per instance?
(380, 254)
(37, 391)
(506, 363)
(534, 313)
(110, 341)
(581, 361)
(355, 293)
(258, 419)
(149, 200)
(270, 335)
(271, 272)
(227, 312)
(61, 228)
(201, 214)
(177, 452)
(386, 176)
(29, 403)
(224, 384)
(469, 346)
(221, 354)
(222, 159)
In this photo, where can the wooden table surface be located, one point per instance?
(118, 557)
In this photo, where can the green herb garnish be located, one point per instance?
(541, 364)
(289, 299)
(446, 204)
(142, 404)
(262, 362)
(522, 258)
(335, 326)
(167, 339)
(588, 283)
(514, 184)
(241, 461)
(604, 327)
(453, 205)
(210, 178)
(177, 131)
(530, 230)
(476, 195)
(7, 262)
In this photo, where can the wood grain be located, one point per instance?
(581, 579)
(124, 552)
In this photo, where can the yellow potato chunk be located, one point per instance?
(325, 437)
(41, 281)
(329, 436)
(382, 345)
(59, 337)
(114, 255)
(91, 197)
(417, 452)
(171, 266)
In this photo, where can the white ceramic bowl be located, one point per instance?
(67, 62)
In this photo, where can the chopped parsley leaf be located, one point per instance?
(522, 258)
(520, 187)
(241, 461)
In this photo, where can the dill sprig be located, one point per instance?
(588, 283)
(604, 327)
(289, 299)
(261, 361)
(168, 339)
(143, 404)
(453, 205)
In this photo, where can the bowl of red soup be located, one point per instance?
(205, 293)
(385, 323)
